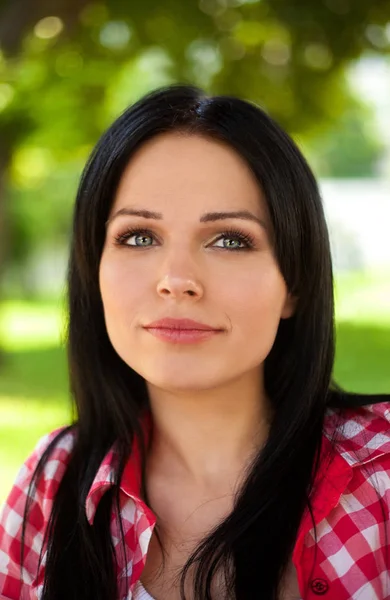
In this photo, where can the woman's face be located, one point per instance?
(189, 237)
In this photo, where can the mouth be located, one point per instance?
(184, 331)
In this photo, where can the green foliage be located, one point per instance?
(282, 54)
(350, 148)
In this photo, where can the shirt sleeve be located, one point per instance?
(12, 581)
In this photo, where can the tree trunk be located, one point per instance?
(4, 230)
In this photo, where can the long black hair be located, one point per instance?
(258, 537)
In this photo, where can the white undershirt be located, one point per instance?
(140, 593)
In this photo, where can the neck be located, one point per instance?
(207, 437)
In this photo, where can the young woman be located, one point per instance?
(212, 455)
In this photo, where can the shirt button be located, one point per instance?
(319, 586)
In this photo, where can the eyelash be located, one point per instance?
(241, 236)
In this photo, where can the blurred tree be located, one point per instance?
(67, 67)
(349, 148)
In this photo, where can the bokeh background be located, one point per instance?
(69, 67)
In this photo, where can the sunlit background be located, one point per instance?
(69, 67)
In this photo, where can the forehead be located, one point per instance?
(176, 171)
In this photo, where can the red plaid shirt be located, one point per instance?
(350, 507)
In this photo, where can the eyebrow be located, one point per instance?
(206, 218)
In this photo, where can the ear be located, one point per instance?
(289, 306)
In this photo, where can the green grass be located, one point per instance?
(33, 376)
(363, 357)
(33, 382)
(363, 332)
(363, 298)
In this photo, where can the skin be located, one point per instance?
(210, 410)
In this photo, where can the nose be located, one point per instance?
(178, 281)
(179, 287)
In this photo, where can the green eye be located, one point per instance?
(140, 240)
(144, 238)
(231, 243)
(136, 238)
(234, 240)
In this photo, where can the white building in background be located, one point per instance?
(369, 77)
(358, 216)
(358, 210)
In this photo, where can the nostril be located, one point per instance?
(178, 288)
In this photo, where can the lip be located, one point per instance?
(184, 331)
(182, 324)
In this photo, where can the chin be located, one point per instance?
(180, 385)
(183, 381)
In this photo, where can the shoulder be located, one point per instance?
(55, 450)
(353, 506)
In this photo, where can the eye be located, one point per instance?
(144, 238)
(140, 238)
(229, 242)
(234, 240)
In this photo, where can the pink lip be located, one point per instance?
(184, 331)
(187, 324)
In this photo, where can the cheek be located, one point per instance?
(258, 289)
(121, 288)
(256, 300)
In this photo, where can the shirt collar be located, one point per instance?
(361, 434)
(131, 479)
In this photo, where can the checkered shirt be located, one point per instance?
(350, 508)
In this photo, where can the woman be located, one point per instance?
(212, 455)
